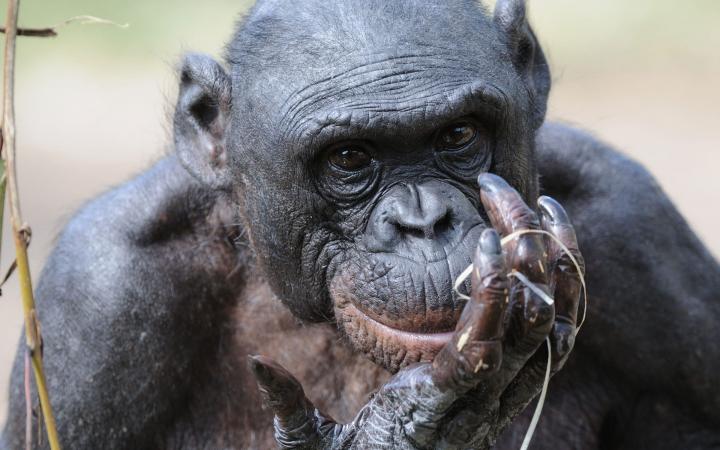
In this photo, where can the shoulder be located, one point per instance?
(163, 210)
(598, 183)
(616, 205)
(162, 202)
(137, 203)
(571, 159)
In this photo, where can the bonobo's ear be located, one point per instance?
(527, 55)
(201, 117)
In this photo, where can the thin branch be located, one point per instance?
(52, 31)
(28, 403)
(32, 327)
(34, 32)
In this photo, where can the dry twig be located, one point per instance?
(52, 31)
(34, 32)
(20, 230)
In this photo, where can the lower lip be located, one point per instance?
(427, 344)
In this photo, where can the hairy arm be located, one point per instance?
(130, 301)
(654, 288)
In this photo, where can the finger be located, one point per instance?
(532, 311)
(296, 423)
(565, 277)
(532, 314)
(489, 292)
(518, 388)
(530, 324)
(476, 347)
(469, 428)
(567, 290)
(506, 209)
(509, 213)
(462, 429)
(555, 220)
(525, 386)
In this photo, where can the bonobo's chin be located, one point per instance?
(397, 310)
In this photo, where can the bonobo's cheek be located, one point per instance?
(293, 250)
(398, 311)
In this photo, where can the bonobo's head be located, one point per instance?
(351, 133)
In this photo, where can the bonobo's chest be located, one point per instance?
(336, 380)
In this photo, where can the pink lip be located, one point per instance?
(425, 344)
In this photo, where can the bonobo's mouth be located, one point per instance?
(424, 345)
(399, 311)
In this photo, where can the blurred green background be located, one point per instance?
(93, 103)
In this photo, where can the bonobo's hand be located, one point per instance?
(487, 373)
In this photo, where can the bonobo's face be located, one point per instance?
(354, 147)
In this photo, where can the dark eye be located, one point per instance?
(457, 136)
(350, 159)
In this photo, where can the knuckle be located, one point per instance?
(476, 358)
(564, 338)
(580, 261)
(540, 315)
(520, 215)
(565, 233)
(566, 265)
(489, 266)
(546, 313)
(535, 269)
(491, 285)
(530, 249)
(486, 357)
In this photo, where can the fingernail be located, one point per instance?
(552, 210)
(263, 372)
(490, 242)
(545, 211)
(256, 365)
(486, 181)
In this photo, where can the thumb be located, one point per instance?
(297, 424)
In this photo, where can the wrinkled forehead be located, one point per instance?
(405, 83)
(355, 59)
(376, 81)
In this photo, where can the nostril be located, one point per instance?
(428, 227)
(442, 225)
(412, 231)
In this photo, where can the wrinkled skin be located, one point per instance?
(322, 196)
(462, 399)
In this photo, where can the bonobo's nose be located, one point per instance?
(418, 209)
(429, 211)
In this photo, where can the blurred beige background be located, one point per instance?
(92, 104)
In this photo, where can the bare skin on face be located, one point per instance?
(494, 341)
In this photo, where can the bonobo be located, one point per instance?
(322, 197)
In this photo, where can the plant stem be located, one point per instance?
(32, 328)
